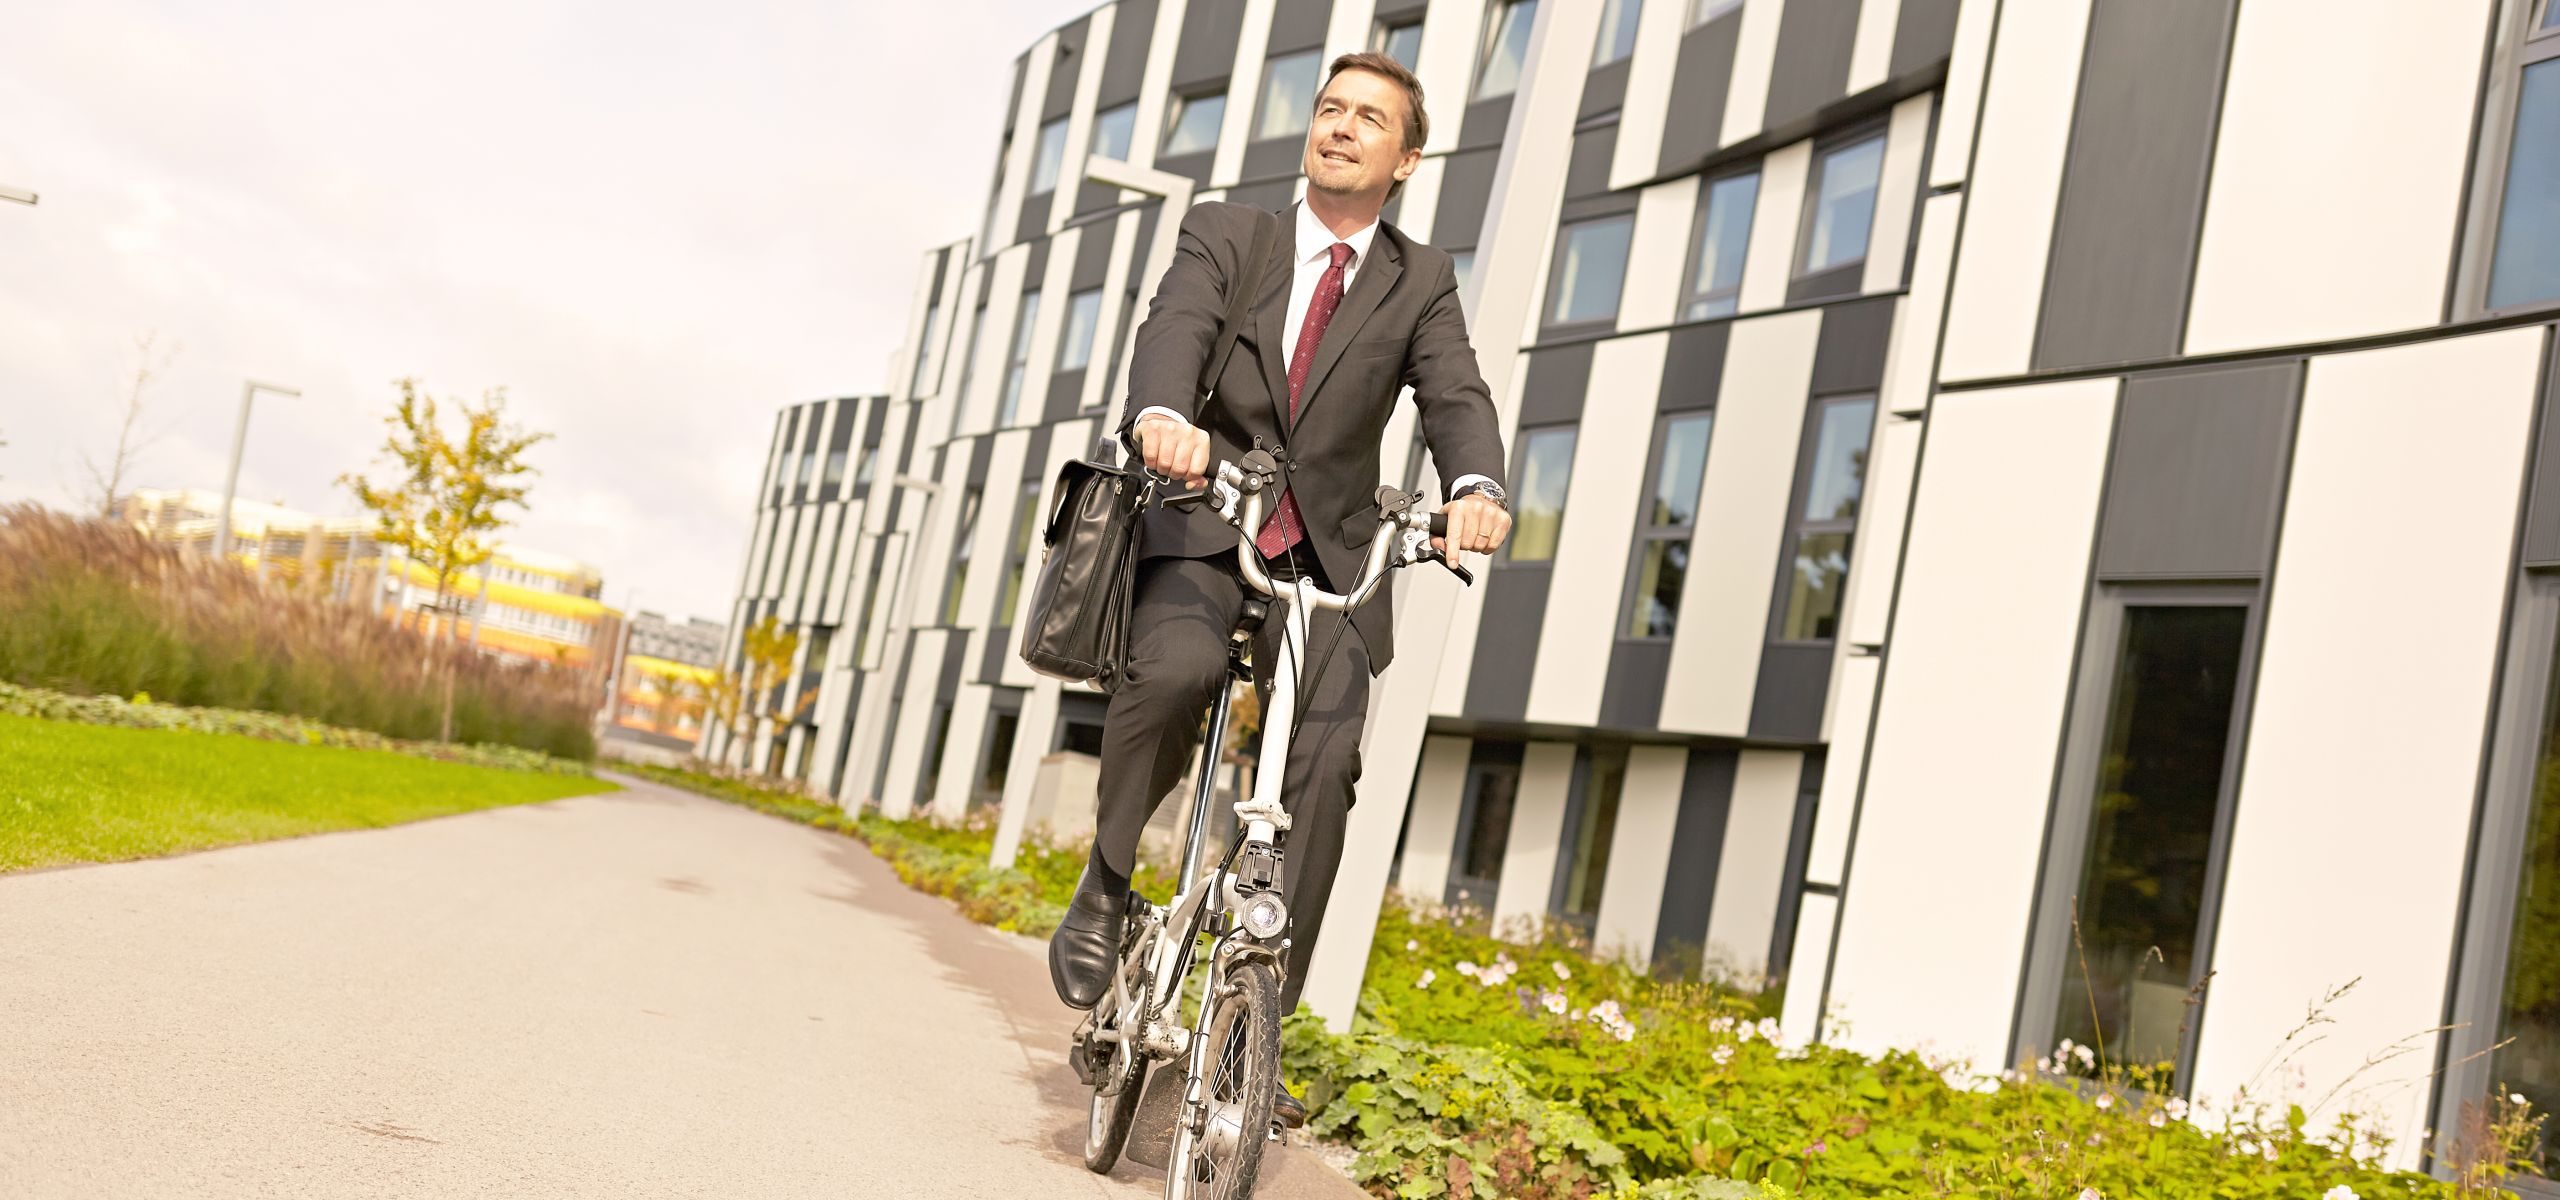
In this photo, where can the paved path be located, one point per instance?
(637, 994)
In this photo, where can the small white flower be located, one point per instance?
(2270, 1151)
(1720, 1025)
(1554, 1002)
(2089, 1193)
(1575, 1015)
(1724, 1055)
(2246, 1147)
(1411, 945)
(2340, 1192)
(2087, 1057)
(2516, 1098)
(1467, 968)
(2177, 1109)
(1768, 1029)
(1626, 1033)
(2105, 1103)
(1427, 976)
(2159, 1120)
(1561, 973)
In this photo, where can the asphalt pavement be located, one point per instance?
(643, 993)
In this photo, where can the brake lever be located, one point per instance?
(1184, 500)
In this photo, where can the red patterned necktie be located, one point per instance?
(1284, 529)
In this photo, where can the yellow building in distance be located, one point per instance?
(523, 603)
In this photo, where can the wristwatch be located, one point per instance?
(1490, 491)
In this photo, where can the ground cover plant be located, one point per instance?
(93, 608)
(142, 712)
(73, 793)
(1485, 1067)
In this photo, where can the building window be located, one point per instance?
(1844, 206)
(924, 348)
(1193, 126)
(1830, 516)
(1402, 43)
(1075, 346)
(969, 357)
(1288, 95)
(1703, 11)
(1005, 727)
(1546, 465)
(1026, 520)
(1591, 269)
(1115, 130)
(1724, 238)
(1662, 532)
(869, 463)
(1462, 263)
(2526, 266)
(935, 738)
(1506, 48)
(2527, 1033)
(1484, 824)
(987, 235)
(834, 474)
(1591, 822)
(1119, 343)
(964, 535)
(1018, 362)
(1049, 157)
(1617, 31)
(2120, 939)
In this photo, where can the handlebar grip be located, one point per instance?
(1439, 524)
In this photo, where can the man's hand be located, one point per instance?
(1173, 447)
(1475, 524)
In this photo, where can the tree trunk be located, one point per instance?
(444, 731)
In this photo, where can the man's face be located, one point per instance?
(1355, 145)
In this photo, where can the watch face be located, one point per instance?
(1493, 492)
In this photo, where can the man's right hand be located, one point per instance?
(1174, 447)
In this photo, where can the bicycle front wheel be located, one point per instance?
(1217, 1148)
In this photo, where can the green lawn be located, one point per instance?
(86, 793)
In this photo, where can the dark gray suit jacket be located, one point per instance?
(1398, 326)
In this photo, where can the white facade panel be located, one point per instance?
(1045, 325)
(1751, 871)
(1659, 254)
(1897, 191)
(1742, 523)
(1537, 838)
(1037, 62)
(2015, 190)
(1892, 467)
(1960, 776)
(1640, 854)
(2347, 856)
(1801, 1020)
(1966, 62)
(1097, 46)
(1755, 62)
(976, 411)
(2291, 251)
(1155, 85)
(1244, 92)
(1826, 857)
(1647, 110)
(1431, 838)
(1871, 48)
(915, 720)
(1589, 574)
(1912, 355)
(1770, 256)
(961, 743)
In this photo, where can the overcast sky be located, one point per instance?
(654, 228)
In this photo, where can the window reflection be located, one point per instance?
(1506, 47)
(1114, 130)
(1546, 464)
(1193, 128)
(1288, 95)
(1591, 269)
(1724, 237)
(2527, 265)
(1844, 205)
(1049, 156)
(2528, 1060)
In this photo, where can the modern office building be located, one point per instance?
(523, 603)
(663, 687)
(1983, 470)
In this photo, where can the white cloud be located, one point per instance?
(655, 226)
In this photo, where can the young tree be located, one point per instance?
(442, 508)
(109, 478)
(741, 698)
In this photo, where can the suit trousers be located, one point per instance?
(1184, 612)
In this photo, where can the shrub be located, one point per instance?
(93, 608)
(144, 713)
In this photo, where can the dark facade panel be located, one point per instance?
(1271, 195)
(1066, 395)
(1035, 267)
(1606, 88)
(1486, 123)
(1299, 25)
(1013, 98)
(1208, 46)
(1698, 85)
(1035, 456)
(1606, 204)
(1194, 165)
(1693, 368)
(1033, 225)
(941, 266)
(981, 449)
(1274, 158)
(1786, 704)
(875, 422)
(1782, 938)
(1812, 64)
(1063, 70)
(1553, 392)
(1398, 12)
(2133, 184)
(1697, 847)
(1924, 36)
(1124, 64)
(1586, 172)
(1631, 695)
(1849, 357)
(2196, 473)
(1093, 257)
(1466, 189)
(1844, 280)
(2542, 514)
(1094, 197)
(955, 654)
(1515, 604)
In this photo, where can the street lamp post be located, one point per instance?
(231, 478)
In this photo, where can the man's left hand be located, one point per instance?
(1476, 525)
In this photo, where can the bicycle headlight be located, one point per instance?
(1264, 916)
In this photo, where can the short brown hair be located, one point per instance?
(1417, 123)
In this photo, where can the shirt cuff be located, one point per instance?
(1153, 409)
(1465, 482)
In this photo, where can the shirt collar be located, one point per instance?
(1314, 239)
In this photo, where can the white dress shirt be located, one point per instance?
(1315, 255)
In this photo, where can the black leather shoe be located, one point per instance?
(1286, 1111)
(1086, 947)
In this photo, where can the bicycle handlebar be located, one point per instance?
(1240, 494)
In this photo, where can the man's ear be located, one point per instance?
(1412, 162)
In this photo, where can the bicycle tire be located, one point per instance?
(1106, 1126)
(1223, 1160)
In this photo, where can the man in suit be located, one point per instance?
(1346, 313)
